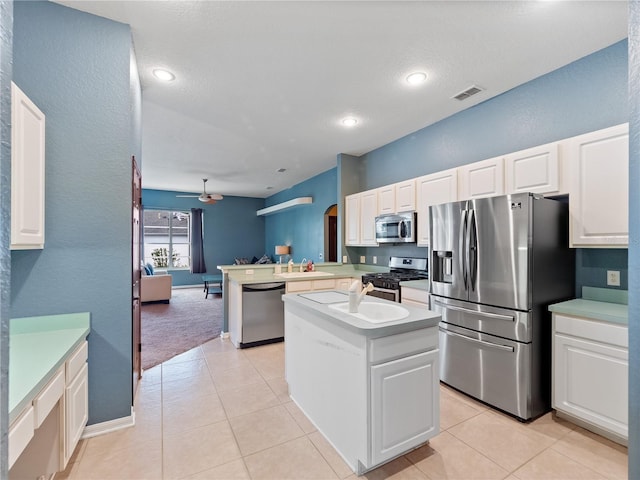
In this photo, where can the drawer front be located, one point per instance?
(415, 294)
(324, 284)
(596, 330)
(304, 286)
(76, 361)
(48, 397)
(403, 344)
(20, 434)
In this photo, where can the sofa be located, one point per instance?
(155, 288)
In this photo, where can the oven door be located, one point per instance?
(387, 294)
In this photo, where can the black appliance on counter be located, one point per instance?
(387, 284)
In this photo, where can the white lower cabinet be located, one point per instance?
(590, 374)
(414, 296)
(45, 435)
(403, 413)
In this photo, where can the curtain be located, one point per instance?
(197, 242)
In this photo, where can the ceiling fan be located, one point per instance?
(204, 197)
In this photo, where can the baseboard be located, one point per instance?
(224, 335)
(109, 426)
(196, 285)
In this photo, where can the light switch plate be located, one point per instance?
(613, 278)
(375, 260)
(344, 259)
(363, 259)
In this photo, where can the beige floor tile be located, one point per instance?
(191, 412)
(217, 345)
(280, 388)
(235, 470)
(295, 460)
(221, 361)
(300, 418)
(236, 377)
(272, 368)
(197, 450)
(446, 457)
(447, 390)
(550, 425)
(187, 387)
(552, 465)
(197, 369)
(189, 355)
(248, 399)
(500, 439)
(329, 453)
(398, 469)
(141, 461)
(600, 454)
(264, 429)
(453, 410)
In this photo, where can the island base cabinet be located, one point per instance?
(403, 411)
(373, 399)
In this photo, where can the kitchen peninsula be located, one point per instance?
(369, 382)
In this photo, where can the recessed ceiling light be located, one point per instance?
(164, 75)
(416, 78)
(349, 121)
(269, 188)
(281, 170)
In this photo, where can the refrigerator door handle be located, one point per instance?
(495, 316)
(464, 252)
(472, 244)
(475, 340)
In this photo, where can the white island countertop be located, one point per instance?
(418, 317)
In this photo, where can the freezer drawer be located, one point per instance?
(491, 369)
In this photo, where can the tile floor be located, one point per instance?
(220, 413)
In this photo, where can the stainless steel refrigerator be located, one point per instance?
(495, 266)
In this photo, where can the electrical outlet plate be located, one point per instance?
(613, 278)
(375, 260)
(344, 259)
(363, 259)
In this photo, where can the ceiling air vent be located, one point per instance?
(472, 90)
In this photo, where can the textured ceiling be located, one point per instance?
(263, 85)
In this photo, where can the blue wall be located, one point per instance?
(634, 240)
(302, 227)
(76, 68)
(231, 229)
(586, 95)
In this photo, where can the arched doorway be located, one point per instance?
(331, 234)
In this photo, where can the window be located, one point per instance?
(166, 238)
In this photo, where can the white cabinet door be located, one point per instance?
(433, 189)
(536, 170)
(405, 408)
(27, 172)
(599, 195)
(387, 200)
(345, 283)
(352, 219)
(368, 213)
(590, 382)
(406, 196)
(481, 179)
(76, 410)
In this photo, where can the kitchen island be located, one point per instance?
(370, 386)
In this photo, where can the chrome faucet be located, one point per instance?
(303, 262)
(356, 297)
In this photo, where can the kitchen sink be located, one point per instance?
(303, 274)
(374, 312)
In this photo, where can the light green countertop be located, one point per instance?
(604, 304)
(418, 317)
(37, 348)
(265, 273)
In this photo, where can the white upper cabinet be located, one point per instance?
(361, 210)
(27, 172)
(481, 179)
(537, 170)
(387, 200)
(433, 189)
(599, 193)
(406, 196)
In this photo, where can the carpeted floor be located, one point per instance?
(188, 321)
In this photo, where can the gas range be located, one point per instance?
(387, 284)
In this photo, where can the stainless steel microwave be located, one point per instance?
(400, 228)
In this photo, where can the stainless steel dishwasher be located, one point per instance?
(262, 314)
